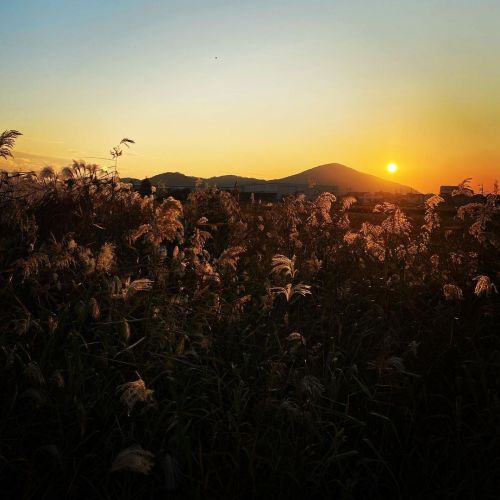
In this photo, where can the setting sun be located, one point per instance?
(392, 167)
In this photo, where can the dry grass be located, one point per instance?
(282, 350)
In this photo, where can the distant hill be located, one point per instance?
(231, 180)
(173, 179)
(332, 174)
(176, 179)
(345, 178)
(131, 180)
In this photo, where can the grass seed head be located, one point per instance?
(452, 292)
(135, 392)
(133, 459)
(484, 286)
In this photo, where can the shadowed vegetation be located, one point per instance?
(209, 350)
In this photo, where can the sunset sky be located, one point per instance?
(257, 88)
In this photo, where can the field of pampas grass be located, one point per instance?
(156, 349)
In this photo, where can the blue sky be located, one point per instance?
(258, 88)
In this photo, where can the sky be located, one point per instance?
(260, 88)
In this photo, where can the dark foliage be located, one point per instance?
(206, 350)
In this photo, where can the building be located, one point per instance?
(381, 196)
(284, 189)
(263, 191)
(414, 198)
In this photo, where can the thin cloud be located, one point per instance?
(28, 161)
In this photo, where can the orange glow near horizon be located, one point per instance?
(215, 90)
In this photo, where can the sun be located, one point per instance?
(392, 167)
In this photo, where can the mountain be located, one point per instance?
(231, 180)
(176, 179)
(131, 180)
(173, 179)
(345, 178)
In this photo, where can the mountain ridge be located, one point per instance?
(346, 179)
